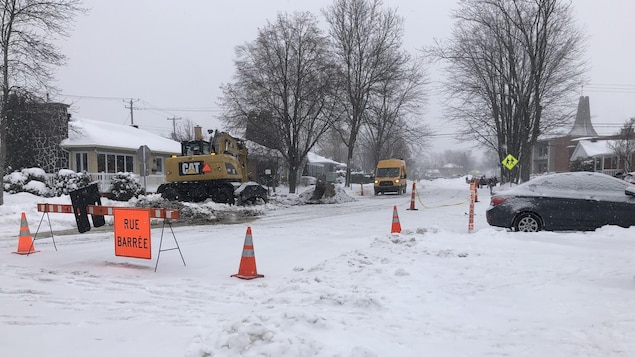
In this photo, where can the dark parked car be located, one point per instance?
(566, 201)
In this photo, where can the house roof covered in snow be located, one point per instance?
(587, 148)
(93, 133)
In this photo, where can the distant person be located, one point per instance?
(491, 182)
(482, 181)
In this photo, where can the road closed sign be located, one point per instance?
(132, 233)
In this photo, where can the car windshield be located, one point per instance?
(388, 172)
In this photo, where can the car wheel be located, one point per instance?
(527, 222)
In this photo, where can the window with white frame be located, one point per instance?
(81, 161)
(112, 163)
(158, 165)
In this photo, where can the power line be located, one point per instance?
(608, 124)
(149, 106)
(609, 88)
(443, 134)
(91, 97)
(611, 85)
(133, 105)
(177, 109)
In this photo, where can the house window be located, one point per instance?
(158, 165)
(81, 161)
(112, 163)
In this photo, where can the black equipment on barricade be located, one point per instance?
(81, 198)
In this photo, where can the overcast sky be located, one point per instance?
(170, 57)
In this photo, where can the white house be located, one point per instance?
(601, 151)
(317, 165)
(102, 149)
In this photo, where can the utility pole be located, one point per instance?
(131, 107)
(174, 119)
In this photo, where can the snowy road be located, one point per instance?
(337, 283)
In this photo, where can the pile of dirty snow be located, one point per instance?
(340, 196)
(202, 212)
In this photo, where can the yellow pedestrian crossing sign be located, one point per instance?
(509, 161)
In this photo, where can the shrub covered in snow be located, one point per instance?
(31, 180)
(124, 186)
(66, 181)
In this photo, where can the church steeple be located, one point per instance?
(582, 126)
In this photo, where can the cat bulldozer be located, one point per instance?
(214, 169)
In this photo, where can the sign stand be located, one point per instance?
(45, 212)
(50, 228)
(161, 244)
(132, 219)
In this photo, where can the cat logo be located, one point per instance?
(190, 168)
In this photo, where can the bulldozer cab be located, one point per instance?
(223, 143)
(195, 147)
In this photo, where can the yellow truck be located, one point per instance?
(390, 176)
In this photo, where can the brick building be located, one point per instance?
(554, 154)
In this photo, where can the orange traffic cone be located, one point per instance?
(247, 269)
(396, 226)
(25, 241)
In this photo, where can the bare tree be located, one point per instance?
(392, 125)
(624, 145)
(284, 87)
(366, 40)
(183, 130)
(331, 146)
(513, 69)
(28, 30)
